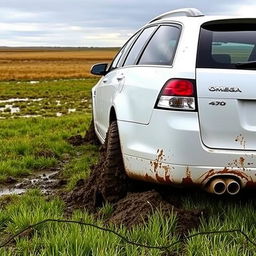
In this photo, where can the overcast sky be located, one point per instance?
(93, 22)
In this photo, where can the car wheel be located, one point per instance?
(113, 174)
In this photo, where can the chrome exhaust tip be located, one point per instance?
(216, 186)
(233, 187)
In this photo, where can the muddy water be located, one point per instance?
(10, 107)
(11, 191)
(46, 181)
(12, 100)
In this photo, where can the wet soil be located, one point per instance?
(135, 206)
(89, 138)
(88, 193)
(90, 135)
(47, 181)
(76, 140)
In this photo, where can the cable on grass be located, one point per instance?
(125, 239)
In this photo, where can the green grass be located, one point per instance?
(80, 165)
(52, 97)
(71, 239)
(22, 141)
(224, 214)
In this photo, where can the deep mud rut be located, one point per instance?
(139, 201)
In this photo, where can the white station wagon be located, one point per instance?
(177, 104)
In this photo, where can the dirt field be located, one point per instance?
(53, 63)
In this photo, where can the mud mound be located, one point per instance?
(76, 140)
(91, 193)
(131, 209)
(136, 208)
(107, 182)
(85, 195)
(90, 137)
(133, 201)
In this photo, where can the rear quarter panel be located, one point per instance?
(135, 101)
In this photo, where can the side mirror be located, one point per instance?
(99, 69)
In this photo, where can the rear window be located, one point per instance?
(227, 46)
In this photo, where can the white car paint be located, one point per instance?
(181, 147)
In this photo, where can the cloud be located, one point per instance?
(91, 22)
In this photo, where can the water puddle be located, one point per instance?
(46, 181)
(12, 100)
(10, 108)
(38, 107)
(71, 110)
(11, 191)
(29, 116)
(8, 105)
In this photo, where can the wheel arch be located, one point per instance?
(112, 115)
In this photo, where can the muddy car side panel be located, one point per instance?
(175, 148)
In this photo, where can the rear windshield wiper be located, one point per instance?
(248, 64)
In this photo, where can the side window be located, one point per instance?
(116, 59)
(138, 45)
(162, 47)
(119, 57)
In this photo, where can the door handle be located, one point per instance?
(120, 77)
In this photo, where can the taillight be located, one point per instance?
(178, 94)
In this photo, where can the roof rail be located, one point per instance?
(189, 12)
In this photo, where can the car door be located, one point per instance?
(106, 88)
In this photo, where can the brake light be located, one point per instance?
(178, 94)
(178, 87)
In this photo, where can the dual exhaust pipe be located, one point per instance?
(219, 186)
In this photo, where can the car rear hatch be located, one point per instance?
(226, 84)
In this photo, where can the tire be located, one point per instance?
(113, 176)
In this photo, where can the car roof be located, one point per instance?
(199, 20)
(191, 16)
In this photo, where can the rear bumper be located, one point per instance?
(180, 175)
(169, 150)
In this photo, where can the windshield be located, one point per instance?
(227, 46)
